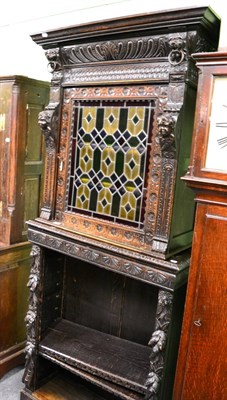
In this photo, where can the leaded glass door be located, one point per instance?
(107, 142)
(109, 147)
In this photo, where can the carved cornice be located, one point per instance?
(158, 344)
(31, 318)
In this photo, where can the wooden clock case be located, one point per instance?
(21, 173)
(111, 244)
(201, 367)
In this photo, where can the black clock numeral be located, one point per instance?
(222, 142)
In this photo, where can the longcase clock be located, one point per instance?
(202, 356)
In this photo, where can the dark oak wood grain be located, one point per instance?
(111, 247)
(98, 352)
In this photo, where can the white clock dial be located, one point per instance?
(216, 157)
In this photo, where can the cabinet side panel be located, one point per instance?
(184, 205)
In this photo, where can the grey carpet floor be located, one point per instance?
(11, 384)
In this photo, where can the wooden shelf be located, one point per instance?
(117, 360)
(60, 388)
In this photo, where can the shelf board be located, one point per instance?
(59, 388)
(117, 360)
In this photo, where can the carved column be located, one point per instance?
(50, 125)
(158, 344)
(32, 318)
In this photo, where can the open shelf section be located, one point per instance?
(60, 387)
(117, 360)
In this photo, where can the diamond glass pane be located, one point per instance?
(110, 147)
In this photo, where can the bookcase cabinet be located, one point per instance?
(111, 247)
(21, 179)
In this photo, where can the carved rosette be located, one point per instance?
(158, 344)
(31, 318)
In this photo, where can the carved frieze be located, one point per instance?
(115, 263)
(124, 49)
(117, 73)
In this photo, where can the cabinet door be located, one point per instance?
(201, 371)
(33, 166)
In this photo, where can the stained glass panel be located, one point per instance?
(110, 146)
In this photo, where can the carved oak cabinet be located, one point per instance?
(21, 173)
(111, 246)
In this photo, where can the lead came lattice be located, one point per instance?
(110, 144)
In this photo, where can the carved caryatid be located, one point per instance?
(158, 344)
(32, 315)
(166, 135)
(48, 122)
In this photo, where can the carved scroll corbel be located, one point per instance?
(31, 318)
(177, 54)
(158, 344)
(53, 56)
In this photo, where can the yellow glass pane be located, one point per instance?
(111, 119)
(82, 199)
(132, 164)
(128, 206)
(89, 119)
(86, 158)
(104, 201)
(135, 120)
(108, 161)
